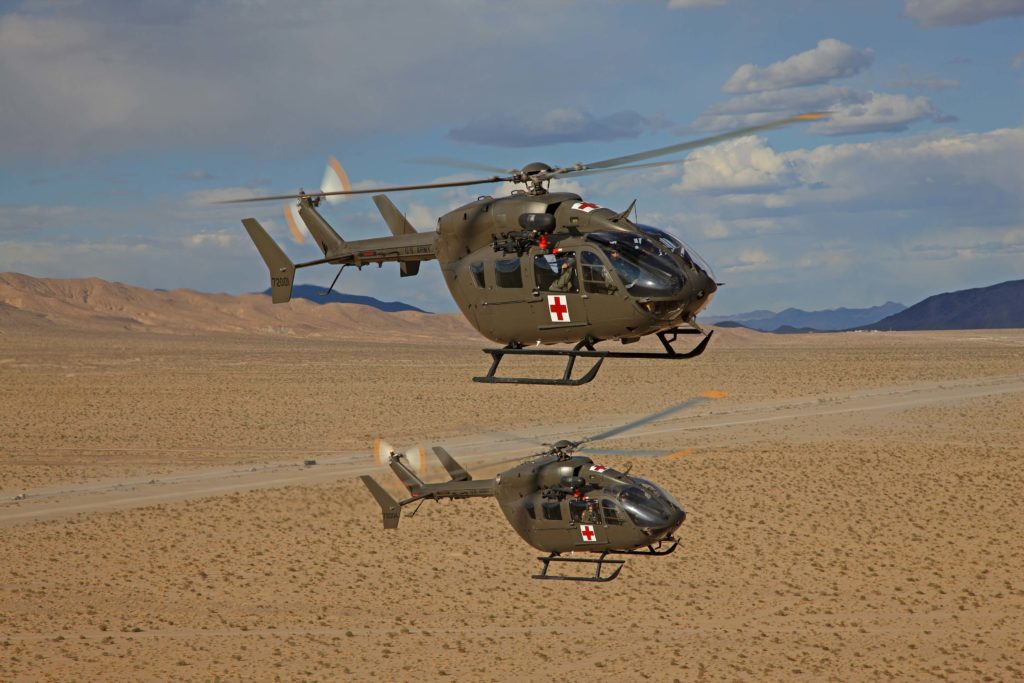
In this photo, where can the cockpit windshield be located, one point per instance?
(644, 508)
(676, 246)
(645, 267)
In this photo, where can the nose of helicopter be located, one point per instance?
(704, 288)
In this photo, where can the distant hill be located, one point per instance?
(793, 320)
(28, 303)
(998, 306)
(312, 293)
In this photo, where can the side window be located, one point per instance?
(611, 513)
(596, 278)
(477, 269)
(556, 272)
(552, 510)
(506, 273)
(584, 511)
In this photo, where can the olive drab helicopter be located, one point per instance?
(557, 501)
(534, 268)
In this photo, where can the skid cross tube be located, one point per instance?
(598, 565)
(585, 349)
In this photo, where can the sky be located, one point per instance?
(122, 123)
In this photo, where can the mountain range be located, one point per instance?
(997, 306)
(93, 304)
(794, 319)
(312, 293)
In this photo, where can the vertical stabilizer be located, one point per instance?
(282, 270)
(390, 509)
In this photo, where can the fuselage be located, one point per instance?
(572, 504)
(596, 273)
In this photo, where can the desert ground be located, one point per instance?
(854, 510)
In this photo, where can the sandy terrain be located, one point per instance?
(854, 512)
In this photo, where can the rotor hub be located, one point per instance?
(529, 176)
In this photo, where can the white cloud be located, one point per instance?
(737, 166)
(831, 59)
(932, 13)
(881, 112)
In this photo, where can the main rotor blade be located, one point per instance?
(688, 403)
(693, 144)
(614, 169)
(375, 190)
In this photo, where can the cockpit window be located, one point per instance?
(612, 515)
(645, 268)
(596, 277)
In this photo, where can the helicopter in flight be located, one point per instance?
(534, 268)
(557, 501)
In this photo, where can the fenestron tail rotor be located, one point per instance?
(415, 456)
(532, 175)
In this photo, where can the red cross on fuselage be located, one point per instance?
(588, 534)
(587, 205)
(558, 308)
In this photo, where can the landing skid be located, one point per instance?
(598, 566)
(585, 349)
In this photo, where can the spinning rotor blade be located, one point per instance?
(686, 146)
(653, 417)
(374, 190)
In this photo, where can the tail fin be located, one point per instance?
(328, 240)
(282, 270)
(457, 471)
(389, 507)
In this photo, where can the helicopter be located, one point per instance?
(534, 268)
(557, 501)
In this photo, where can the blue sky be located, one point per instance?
(121, 122)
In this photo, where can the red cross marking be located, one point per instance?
(587, 531)
(598, 468)
(558, 308)
(587, 205)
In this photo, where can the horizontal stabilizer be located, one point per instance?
(282, 270)
(457, 471)
(389, 507)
